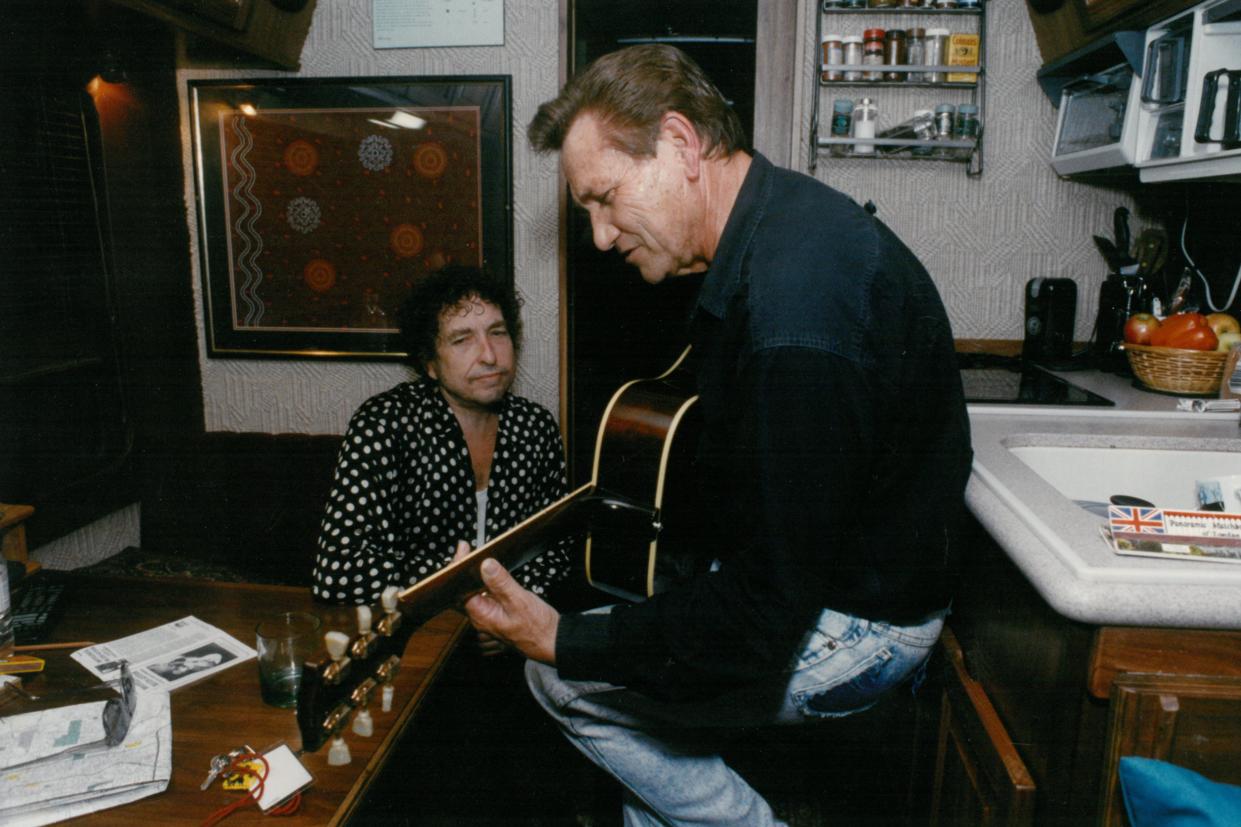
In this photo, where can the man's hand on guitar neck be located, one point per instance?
(512, 614)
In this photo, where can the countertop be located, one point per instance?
(1057, 545)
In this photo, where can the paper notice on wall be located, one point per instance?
(403, 24)
(1207, 536)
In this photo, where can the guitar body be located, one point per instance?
(643, 486)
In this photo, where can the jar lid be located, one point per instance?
(920, 112)
(828, 38)
(937, 32)
(968, 108)
(852, 38)
(895, 34)
(917, 32)
(945, 107)
(843, 105)
(873, 34)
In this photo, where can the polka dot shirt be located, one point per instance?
(403, 493)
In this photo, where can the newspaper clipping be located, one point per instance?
(169, 656)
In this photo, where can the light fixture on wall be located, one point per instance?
(248, 109)
(400, 120)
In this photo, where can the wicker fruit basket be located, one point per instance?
(1177, 370)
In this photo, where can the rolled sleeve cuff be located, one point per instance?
(583, 649)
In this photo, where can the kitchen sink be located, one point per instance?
(1091, 476)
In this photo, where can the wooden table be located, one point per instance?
(224, 710)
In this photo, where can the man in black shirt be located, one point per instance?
(832, 467)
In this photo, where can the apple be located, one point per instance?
(1223, 323)
(1228, 339)
(1140, 327)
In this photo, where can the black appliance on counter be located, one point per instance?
(1051, 315)
(1010, 380)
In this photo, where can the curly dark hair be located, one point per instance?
(445, 289)
(630, 90)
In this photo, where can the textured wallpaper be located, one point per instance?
(981, 238)
(318, 397)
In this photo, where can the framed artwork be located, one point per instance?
(321, 202)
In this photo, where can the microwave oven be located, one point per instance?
(1096, 91)
(1189, 114)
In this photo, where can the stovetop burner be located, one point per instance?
(988, 378)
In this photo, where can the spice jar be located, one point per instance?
(894, 53)
(915, 53)
(864, 116)
(852, 46)
(945, 122)
(936, 53)
(872, 52)
(912, 4)
(833, 55)
(828, 5)
(945, 4)
(882, 4)
(965, 127)
(854, 4)
(842, 124)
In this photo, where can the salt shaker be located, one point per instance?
(864, 116)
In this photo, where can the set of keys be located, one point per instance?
(222, 762)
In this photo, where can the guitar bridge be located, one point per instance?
(618, 517)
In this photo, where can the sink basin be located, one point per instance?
(1164, 477)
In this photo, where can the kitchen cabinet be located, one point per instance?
(1073, 24)
(1075, 697)
(898, 99)
(274, 30)
(979, 775)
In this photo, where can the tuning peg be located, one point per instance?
(364, 620)
(338, 753)
(388, 601)
(363, 724)
(337, 643)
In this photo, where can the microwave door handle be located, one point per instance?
(1231, 138)
(1232, 111)
(1149, 70)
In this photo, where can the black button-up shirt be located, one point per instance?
(835, 449)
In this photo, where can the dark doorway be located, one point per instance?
(619, 327)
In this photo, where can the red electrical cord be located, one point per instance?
(241, 766)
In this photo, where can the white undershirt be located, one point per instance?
(480, 535)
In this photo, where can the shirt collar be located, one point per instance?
(723, 278)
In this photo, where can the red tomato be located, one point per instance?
(1139, 327)
(1195, 338)
(1173, 326)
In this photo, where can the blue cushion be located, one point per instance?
(1159, 794)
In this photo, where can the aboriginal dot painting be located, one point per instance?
(333, 214)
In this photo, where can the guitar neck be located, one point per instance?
(512, 549)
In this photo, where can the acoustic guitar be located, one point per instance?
(636, 512)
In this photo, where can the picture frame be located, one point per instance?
(321, 202)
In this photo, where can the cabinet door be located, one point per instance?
(1194, 722)
(980, 778)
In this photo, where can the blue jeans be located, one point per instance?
(666, 754)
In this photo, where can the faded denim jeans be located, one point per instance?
(666, 754)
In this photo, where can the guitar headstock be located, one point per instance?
(350, 670)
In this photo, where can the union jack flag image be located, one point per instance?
(1135, 519)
